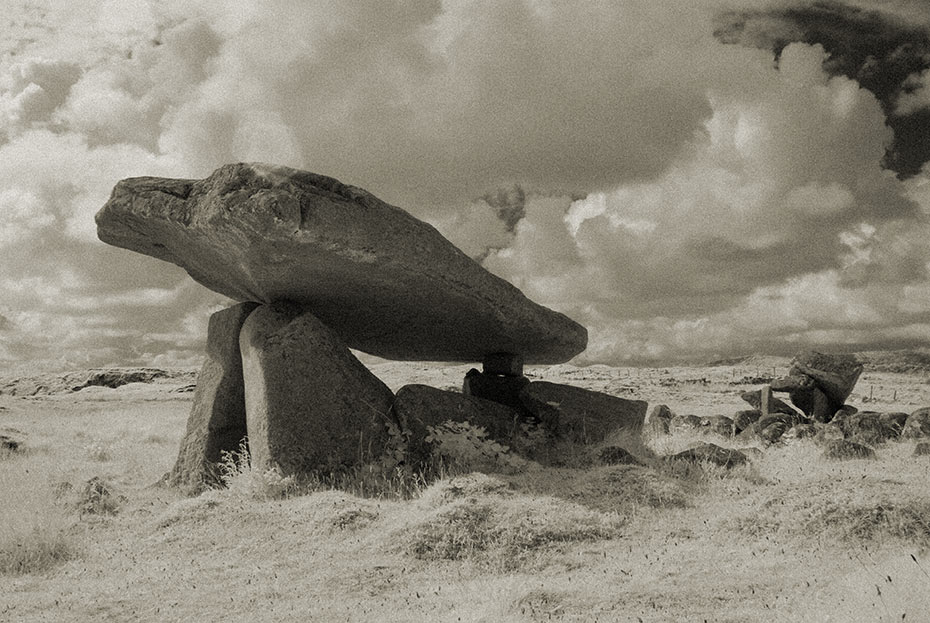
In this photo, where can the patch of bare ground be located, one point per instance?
(791, 536)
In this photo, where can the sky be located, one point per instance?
(691, 181)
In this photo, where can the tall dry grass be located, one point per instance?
(34, 525)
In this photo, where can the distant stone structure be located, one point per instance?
(320, 267)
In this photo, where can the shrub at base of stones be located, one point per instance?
(917, 425)
(922, 449)
(843, 449)
(710, 453)
(417, 408)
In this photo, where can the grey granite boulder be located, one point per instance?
(311, 406)
(385, 282)
(217, 418)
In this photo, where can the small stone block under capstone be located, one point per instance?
(506, 364)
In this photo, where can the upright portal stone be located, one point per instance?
(311, 406)
(384, 281)
(217, 419)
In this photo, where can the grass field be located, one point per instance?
(791, 537)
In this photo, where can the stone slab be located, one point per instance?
(589, 417)
(217, 419)
(311, 406)
(387, 283)
(417, 407)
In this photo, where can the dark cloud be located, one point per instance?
(509, 204)
(878, 49)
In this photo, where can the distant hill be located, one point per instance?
(67, 382)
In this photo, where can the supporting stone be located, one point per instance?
(497, 388)
(217, 419)
(311, 406)
(504, 364)
(765, 399)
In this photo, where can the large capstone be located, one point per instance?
(217, 419)
(834, 375)
(385, 282)
(311, 406)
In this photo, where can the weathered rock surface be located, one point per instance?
(217, 419)
(710, 453)
(917, 424)
(384, 281)
(588, 417)
(417, 407)
(922, 449)
(311, 406)
(835, 375)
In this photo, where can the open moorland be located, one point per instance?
(88, 534)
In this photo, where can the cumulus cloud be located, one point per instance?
(617, 161)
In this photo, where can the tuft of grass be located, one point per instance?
(97, 451)
(908, 520)
(242, 480)
(481, 520)
(35, 530)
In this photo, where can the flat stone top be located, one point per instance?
(386, 282)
